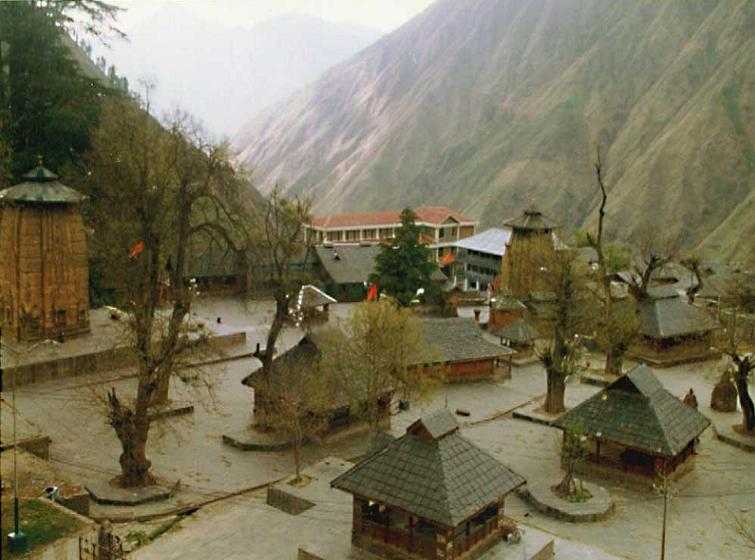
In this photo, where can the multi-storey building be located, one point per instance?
(440, 228)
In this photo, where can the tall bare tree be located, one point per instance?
(150, 185)
(276, 242)
(616, 324)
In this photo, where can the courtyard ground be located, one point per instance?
(190, 449)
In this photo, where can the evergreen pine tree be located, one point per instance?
(404, 266)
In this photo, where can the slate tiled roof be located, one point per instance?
(348, 264)
(425, 214)
(519, 332)
(353, 264)
(306, 351)
(665, 317)
(458, 339)
(42, 187)
(445, 479)
(637, 412)
(491, 241)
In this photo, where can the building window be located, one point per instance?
(352, 235)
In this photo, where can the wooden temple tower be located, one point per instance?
(44, 275)
(528, 253)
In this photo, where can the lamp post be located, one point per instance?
(17, 541)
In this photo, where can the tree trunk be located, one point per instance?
(554, 399)
(131, 427)
(162, 392)
(297, 458)
(281, 313)
(745, 401)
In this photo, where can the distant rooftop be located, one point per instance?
(435, 215)
(491, 241)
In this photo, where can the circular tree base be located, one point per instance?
(599, 506)
(107, 493)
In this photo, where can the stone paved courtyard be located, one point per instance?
(190, 449)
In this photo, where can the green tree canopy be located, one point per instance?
(48, 105)
(405, 266)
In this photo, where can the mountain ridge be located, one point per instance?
(495, 104)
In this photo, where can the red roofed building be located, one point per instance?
(441, 227)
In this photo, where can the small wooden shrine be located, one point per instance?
(44, 271)
(636, 429)
(528, 253)
(429, 494)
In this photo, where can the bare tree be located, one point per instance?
(149, 183)
(573, 452)
(276, 241)
(616, 321)
(692, 263)
(654, 252)
(734, 340)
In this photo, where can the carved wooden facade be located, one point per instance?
(44, 276)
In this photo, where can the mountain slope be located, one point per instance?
(219, 72)
(488, 105)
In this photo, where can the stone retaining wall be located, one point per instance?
(38, 446)
(93, 362)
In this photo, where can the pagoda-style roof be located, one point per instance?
(41, 187)
(296, 357)
(432, 472)
(531, 220)
(519, 332)
(665, 314)
(312, 296)
(637, 412)
(457, 339)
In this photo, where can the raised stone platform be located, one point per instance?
(730, 436)
(297, 498)
(101, 350)
(533, 411)
(250, 439)
(254, 440)
(540, 495)
(106, 493)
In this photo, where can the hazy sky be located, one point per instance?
(384, 15)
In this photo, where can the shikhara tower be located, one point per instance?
(44, 273)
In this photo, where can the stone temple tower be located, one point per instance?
(528, 252)
(44, 274)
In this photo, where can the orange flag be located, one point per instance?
(136, 250)
(372, 292)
